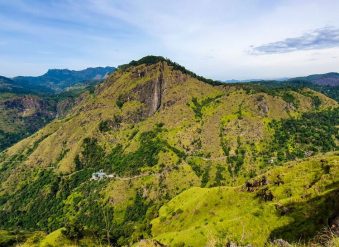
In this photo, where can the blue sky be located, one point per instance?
(219, 39)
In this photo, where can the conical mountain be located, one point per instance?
(155, 129)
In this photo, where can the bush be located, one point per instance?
(73, 231)
(92, 154)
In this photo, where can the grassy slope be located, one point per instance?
(204, 215)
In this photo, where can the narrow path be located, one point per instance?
(214, 159)
(134, 177)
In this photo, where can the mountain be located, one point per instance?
(157, 155)
(328, 79)
(57, 80)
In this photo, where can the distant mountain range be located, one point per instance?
(255, 80)
(54, 80)
(328, 79)
(59, 79)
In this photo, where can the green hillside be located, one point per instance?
(168, 139)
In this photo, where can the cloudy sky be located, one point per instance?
(219, 39)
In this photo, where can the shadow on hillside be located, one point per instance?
(309, 217)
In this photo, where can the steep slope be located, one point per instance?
(156, 129)
(57, 80)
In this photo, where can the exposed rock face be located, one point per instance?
(262, 106)
(290, 107)
(64, 106)
(157, 93)
(30, 105)
(150, 93)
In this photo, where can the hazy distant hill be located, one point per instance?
(327, 84)
(5, 83)
(328, 79)
(57, 80)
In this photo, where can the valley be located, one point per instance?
(29, 103)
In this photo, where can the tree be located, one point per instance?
(108, 214)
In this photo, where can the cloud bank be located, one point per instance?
(327, 37)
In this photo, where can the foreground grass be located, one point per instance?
(294, 205)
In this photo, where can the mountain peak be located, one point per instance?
(151, 59)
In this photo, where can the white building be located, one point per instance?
(98, 175)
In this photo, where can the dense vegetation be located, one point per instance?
(119, 162)
(7, 139)
(311, 133)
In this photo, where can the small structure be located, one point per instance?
(98, 175)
